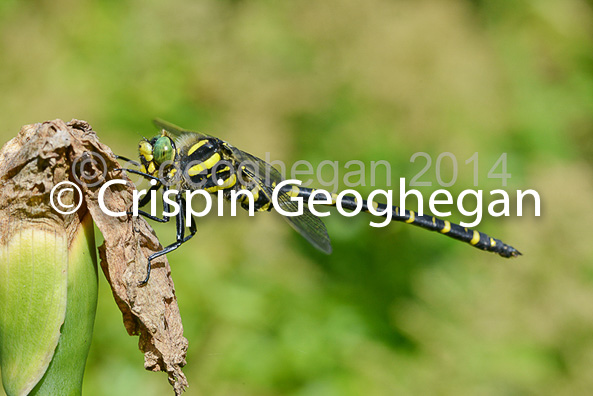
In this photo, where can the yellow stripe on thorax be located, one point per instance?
(225, 184)
(197, 146)
(208, 164)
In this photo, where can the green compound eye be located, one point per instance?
(163, 150)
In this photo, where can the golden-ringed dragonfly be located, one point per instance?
(187, 160)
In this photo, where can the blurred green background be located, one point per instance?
(396, 310)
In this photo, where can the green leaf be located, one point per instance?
(65, 373)
(48, 296)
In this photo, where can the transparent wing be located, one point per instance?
(308, 225)
(260, 171)
(174, 129)
(265, 175)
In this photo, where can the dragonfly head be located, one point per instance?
(155, 152)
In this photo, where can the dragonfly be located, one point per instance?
(189, 160)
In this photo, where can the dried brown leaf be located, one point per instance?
(59, 151)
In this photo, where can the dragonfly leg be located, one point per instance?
(136, 172)
(121, 157)
(181, 238)
(147, 199)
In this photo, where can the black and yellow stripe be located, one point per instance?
(475, 238)
(194, 160)
(211, 164)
